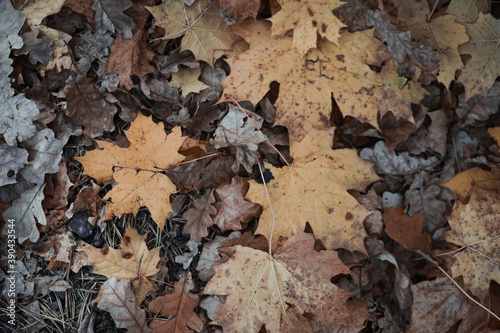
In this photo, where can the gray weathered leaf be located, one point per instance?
(11, 21)
(16, 112)
(236, 131)
(109, 17)
(44, 155)
(119, 300)
(11, 160)
(391, 163)
(25, 212)
(39, 49)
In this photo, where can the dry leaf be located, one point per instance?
(137, 169)
(179, 307)
(468, 11)
(464, 183)
(474, 229)
(275, 291)
(238, 10)
(198, 217)
(314, 189)
(186, 80)
(133, 262)
(119, 300)
(407, 230)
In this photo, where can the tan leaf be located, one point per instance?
(307, 19)
(275, 291)
(474, 229)
(119, 300)
(314, 189)
(198, 217)
(239, 9)
(495, 134)
(133, 262)
(201, 25)
(179, 307)
(232, 208)
(467, 11)
(186, 80)
(464, 183)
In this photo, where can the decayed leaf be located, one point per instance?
(199, 216)
(133, 262)
(56, 193)
(132, 56)
(464, 183)
(275, 291)
(482, 69)
(38, 48)
(306, 84)
(474, 228)
(238, 10)
(307, 19)
(87, 107)
(495, 133)
(438, 305)
(201, 25)
(138, 169)
(232, 208)
(12, 21)
(314, 189)
(186, 79)
(442, 33)
(467, 11)
(109, 17)
(179, 307)
(16, 111)
(11, 160)
(119, 300)
(26, 212)
(407, 230)
(210, 255)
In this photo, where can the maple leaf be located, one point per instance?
(314, 189)
(442, 33)
(137, 169)
(482, 69)
(467, 11)
(133, 262)
(276, 290)
(473, 228)
(201, 25)
(464, 183)
(179, 306)
(307, 19)
(186, 79)
(119, 300)
(306, 84)
(198, 217)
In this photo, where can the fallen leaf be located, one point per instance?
(119, 300)
(314, 189)
(210, 256)
(109, 16)
(186, 80)
(235, 11)
(199, 217)
(38, 49)
(481, 71)
(441, 305)
(233, 211)
(473, 228)
(468, 11)
(12, 22)
(57, 189)
(464, 183)
(12, 159)
(276, 290)
(137, 169)
(407, 230)
(495, 133)
(179, 307)
(307, 19)
(134, 262)
(201, 26)
(478, 108)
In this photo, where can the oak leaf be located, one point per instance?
(119, 300)
(306, 84)
(314, 189)
(474, 229)
(109, 16)
(199, 216)
(137, 169)
(186, 80)
(133, 261)
(179, 306)
(13, 159)
(482, 69)
(276, 290)
(307, 19)
(12, 22)
(201, 25)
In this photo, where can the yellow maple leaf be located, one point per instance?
(474, 229)
(137, 169)
(186, 79)
(133, 261)
(482, 69)
(306, 84)
(201, 25)
(307, 19)
(443, 33)
(464, 183)
(275, 291)
(314, 189)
